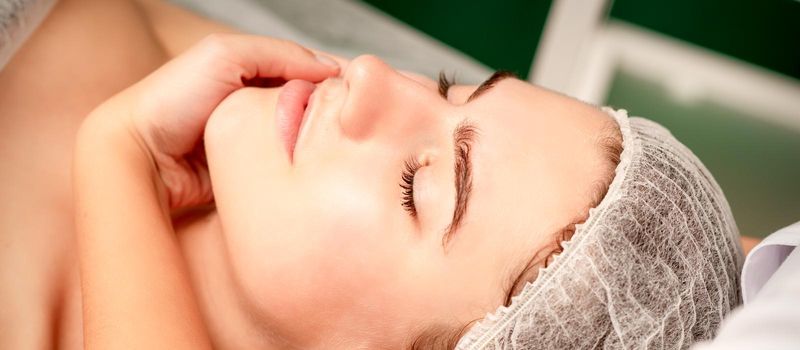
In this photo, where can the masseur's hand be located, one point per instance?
(170, 107)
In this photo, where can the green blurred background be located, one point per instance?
(757, 163)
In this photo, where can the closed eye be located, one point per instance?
(407, 185)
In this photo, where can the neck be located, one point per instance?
(229, 324)
(226, 316)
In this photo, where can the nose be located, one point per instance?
(383, 102)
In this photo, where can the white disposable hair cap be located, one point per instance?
(655, 265)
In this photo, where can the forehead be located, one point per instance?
(534, 163)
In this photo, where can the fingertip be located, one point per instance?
(327, 61)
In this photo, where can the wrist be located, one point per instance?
(134, 286)
(106, 144)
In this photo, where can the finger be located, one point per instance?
(341, 61)
(264, 57)
(273, 82)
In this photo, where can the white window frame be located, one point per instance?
(581, 50)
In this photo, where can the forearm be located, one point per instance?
(136, 293)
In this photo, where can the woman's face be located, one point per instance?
(325, 246)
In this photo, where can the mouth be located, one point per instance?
(291, 112)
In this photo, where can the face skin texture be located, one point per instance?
(322, 249)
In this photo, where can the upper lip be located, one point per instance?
(307, 117)
(315, 109)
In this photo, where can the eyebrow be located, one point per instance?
(489, 83)
(463, 138)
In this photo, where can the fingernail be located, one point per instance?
(327, 61)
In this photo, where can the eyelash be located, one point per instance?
(445, 83)
(407, 184)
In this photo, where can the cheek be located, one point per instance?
(357, 244)
(345, 203)
(347, 194)
(347, 218)
(321, 245)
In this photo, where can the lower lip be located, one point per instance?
(292, 102)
